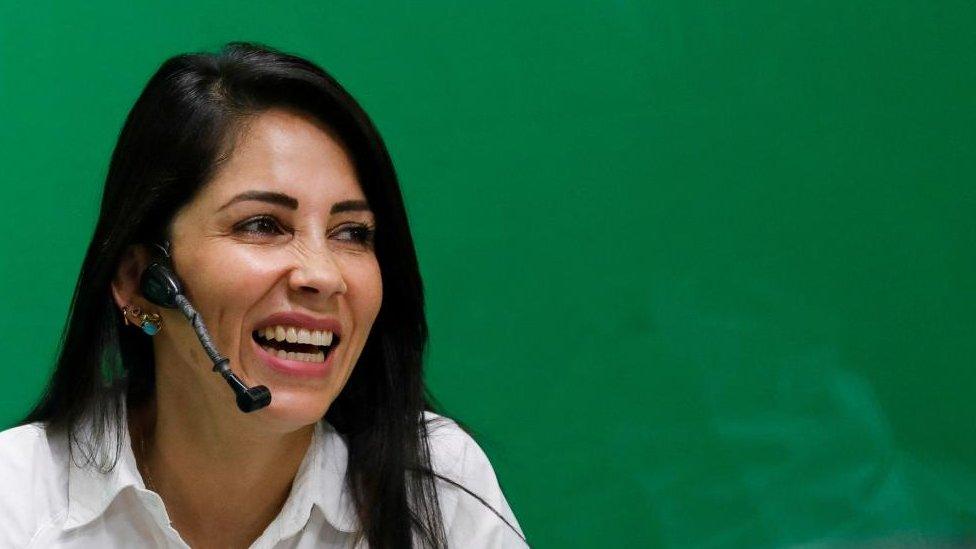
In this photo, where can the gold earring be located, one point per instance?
(150, 323)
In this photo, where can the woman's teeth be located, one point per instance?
(304, 357)
(297, 335)
(285, 336)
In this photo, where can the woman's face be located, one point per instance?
(277, 245)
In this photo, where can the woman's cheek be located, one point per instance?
(372, 297)
(362, 275)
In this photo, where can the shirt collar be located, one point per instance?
(90, 490)
(319, 483)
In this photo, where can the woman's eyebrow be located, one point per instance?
(291, 202)
(350, 206)
(264, 196)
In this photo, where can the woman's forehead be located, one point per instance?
(287, 153)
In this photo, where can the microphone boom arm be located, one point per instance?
(160, 285)
(248, 398)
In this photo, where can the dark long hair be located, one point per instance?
(180, 130)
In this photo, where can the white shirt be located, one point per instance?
(46, 500)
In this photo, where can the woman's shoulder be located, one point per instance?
(449, 443)
(33, 474)
(27, 451)
(476, 507)
(454, 451)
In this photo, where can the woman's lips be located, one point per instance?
(298, 368)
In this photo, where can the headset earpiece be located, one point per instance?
(160, 285)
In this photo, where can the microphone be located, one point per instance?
(160, 285)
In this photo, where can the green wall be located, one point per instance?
(700, 274)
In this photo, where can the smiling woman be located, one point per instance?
(274, 200)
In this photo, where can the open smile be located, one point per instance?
(291, 343)
(295, 343)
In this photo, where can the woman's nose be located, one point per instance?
(317, 272)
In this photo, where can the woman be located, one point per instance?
(276, 201)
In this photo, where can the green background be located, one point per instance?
(700, 274)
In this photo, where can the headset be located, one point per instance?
(160, 285)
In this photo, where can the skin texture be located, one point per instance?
(222, 474)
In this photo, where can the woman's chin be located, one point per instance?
(298, 398)
(290, 410)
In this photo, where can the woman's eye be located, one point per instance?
(260, 225)
(359, 234)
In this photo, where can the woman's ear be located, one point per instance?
(125, 284)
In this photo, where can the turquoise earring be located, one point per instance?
(150, 323)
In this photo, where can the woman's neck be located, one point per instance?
(222, 481)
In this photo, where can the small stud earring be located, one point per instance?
(150, 323)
